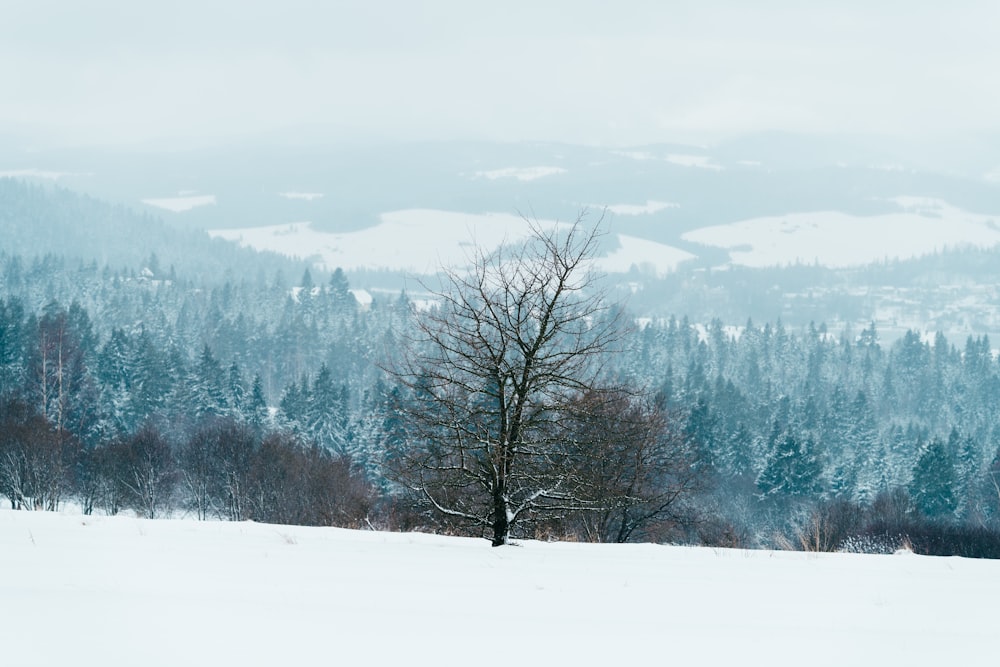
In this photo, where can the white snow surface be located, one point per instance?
(306, 196)
(647, 256)
(700, 161)
(651, 206)
(363, 297)
(520, 173)
(635, 155)
(34, 172)
(920, 227)
(116, 591)
(422, 240)
(184, 202)
(413, 240)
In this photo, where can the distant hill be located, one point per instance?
(349, 187)
(41, 219)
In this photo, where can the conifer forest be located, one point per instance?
(261, 394)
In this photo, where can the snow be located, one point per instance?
(45, 174)
(121, 591)
(305, 196)
(651, 206)
(921, 226)
(181, 203)
(412, 240)
(363, 297)
(700, 161)
(648, 256)
(520, 173)
(635, 155)
(681, 159)
(422, 240)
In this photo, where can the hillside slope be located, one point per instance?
(122, 591)
(37, 220)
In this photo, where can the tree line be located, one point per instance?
(224, 470)
(779, 426)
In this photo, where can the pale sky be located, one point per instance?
(579, 71)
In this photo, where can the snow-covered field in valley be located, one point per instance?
(921, 227)
(423, 240)
(657, 258)
(415, 240)
(122, 591)
(181, 203)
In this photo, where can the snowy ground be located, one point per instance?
(655, 258)
(921, 227)
(651, 206)
(520, 173)
(180, 203)
(121, 591)
(423, 240)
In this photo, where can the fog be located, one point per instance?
(126, 73)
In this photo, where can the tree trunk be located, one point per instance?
(501, 509)
(501, 525)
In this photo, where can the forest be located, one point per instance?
(270, 399)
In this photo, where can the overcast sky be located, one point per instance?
(578, 71)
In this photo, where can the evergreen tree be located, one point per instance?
(208, 386)
(794, 469)
(255, 412)
(12, 345)
(341, 300)
(294, 404)
(932, 488)
(865, 448)
(236, 391)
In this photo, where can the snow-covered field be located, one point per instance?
(122, 591)
(304, 196)
(35, 173)
(700, 161)
(414, 240)
(651, 206)
(520, 173)
(922, 226)
(650, 256)
(422, 240)
(180, 203)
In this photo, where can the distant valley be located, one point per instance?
(768, 227)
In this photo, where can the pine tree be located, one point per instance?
(865, 448)
(209, 385)
(12, 345)
(342, 301)
(326, 416)
(793, 470)
(255, 411)
(236, 393)
(932, 488)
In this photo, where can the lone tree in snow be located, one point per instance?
(497, 371)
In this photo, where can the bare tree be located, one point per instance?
(215, 466)
(633, 464)
(36, 460)
(148, 472)
(495, 368)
